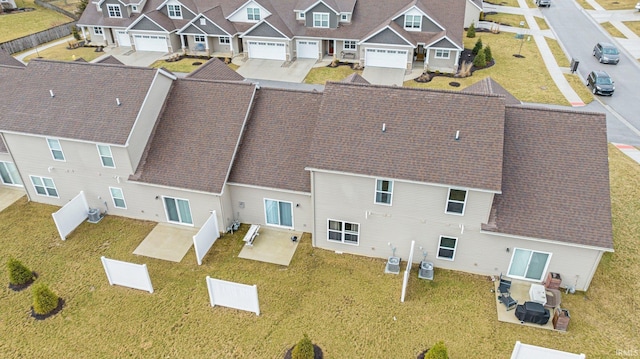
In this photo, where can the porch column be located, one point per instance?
(231, 45)
(84, 36)
(335, 49)
(426, 58)
(182, 41)
(456, 64)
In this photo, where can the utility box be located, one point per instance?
(561, 319)
(574, 65)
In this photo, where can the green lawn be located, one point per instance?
(512, 3)
(585, 5)
(69, 5)
(612, 30)
(346, 304)
(542, 23)
(507, 19)
(185, 65)
(320, 75)
(22, 24)
(62, 53)
(558, 54)
(617, 4)
(634, 26)
(577, 83)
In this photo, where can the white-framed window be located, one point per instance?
(456, 201)
(134, 8)
(118, 197)
(97, 30)
(9, 174)
(344, 17)
(199, 38)
(384, 191)
(447, 248)
(253, 14)
(44, 186)
(278, 213)
(413, 22)
(106, 157)
(528, 264)
(224, 40)
(320, 19)
(300, 15)
(114, 10)
(442, 54)
(174, 11)
(56, 149)
(349, 45)
(343, 232)
(203, 21)
(178, 210)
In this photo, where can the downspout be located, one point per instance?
(313, 207)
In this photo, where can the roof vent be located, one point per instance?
(457, 135)
(118, 101)
(51, 93)
(384, 127)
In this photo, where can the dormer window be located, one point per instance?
(412, 22)
(203, 21)
(175, 11)
(344, 17)
(253, 14)
(301, 15)
(114, 10)
(134, 8)
(320, 19)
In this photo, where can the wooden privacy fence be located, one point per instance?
(33, 40)
(64, 12)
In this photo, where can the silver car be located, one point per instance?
(606, 53)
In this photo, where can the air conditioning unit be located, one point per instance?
(94, 215)
(393, 265)
(426, 270)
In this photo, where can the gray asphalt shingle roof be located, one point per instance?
(488, 86)
(215, 69)
(8, 60)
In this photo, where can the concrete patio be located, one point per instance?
(272, 246)
(519, 292)
(167, 242)
(9, 195)
(276, 70)
(384, 76)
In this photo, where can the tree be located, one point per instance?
(471, 31)
(303, 350)
(480, 60)
(487, 54)
(44, 300)
(477, 47)
(18, 273)
(438, 351)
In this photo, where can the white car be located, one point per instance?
(638, 6)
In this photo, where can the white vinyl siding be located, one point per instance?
(447, 248)
(321, 19)
(384, 191)
(106, 157)
(56, 149)
(456, 201)
(44, 186)
(528, 264)
(114, 10)
(344, 232)
(278, 213)
(178, 210)
(118, 197)
(9, 174)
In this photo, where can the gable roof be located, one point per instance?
(3, 148)
(109, 60)
(418, 143)
(274, 149)
(66, 115)
(356, 79)
(488, 86)
(215, 69)
(203, 139)
(8, 60)
(556, 178)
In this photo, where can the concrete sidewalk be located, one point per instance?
(36, 49)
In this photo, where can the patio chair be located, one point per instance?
(508, 302)
(504, 286)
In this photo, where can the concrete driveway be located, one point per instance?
(129, 57)
(383, 75)
(259, 69)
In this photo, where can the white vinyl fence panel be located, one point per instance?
(71, 215)
(405, 278)
(233, 295)
(206, 237)
(127, 274)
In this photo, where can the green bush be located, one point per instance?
(44, 300)
(471, 31)
(18, 272)
(488, 56)
(75, 33)
(303, 350)
(438, 351)
(477, 47)
(480, 60)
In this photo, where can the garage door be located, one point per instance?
(151, 43)
(123, 38)
(307, 49)
(386, 58)
(267, 50)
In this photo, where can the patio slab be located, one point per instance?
(167, 242)
(519, 292)
(9, 195)
(384, 76)
(272, 246)
(260, 69)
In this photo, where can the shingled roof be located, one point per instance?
(74, 85)
(418, 141)
(488, 86)
(8, 60)
(556, 178)
(194, 144)
(110, 60)
(356, 79)
(274, 149)
(215, 69)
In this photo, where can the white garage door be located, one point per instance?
(151, 43)
(267, 50)
(386, 58)
(307, 49)
(123, 38)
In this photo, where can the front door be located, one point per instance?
(331, 47)
(278, 213)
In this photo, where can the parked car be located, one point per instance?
(606, 53)
(600, 83)
(546, 3)
(638, 6)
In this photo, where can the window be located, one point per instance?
(456, 201)
(178, 210)
(175, 11)
(114, 10)
(203, 21)
(278, 213)
(224, 40)
(253, 14)
(97, 30)
(527, 264)
(320, 19)
(300, 15)
(106, 157)
(349, 45)
(117, 197)
(344, 17)
(9, 174)
(344, 232)
(198, 38)
(56, 149)
(384, 190)
(44, 186)
(447, 248)
(134, 8)
(442, 54)
(412, 21)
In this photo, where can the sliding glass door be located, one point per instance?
(528, 264)
(178, 210)
(278, 213)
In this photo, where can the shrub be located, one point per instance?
(75, 33)
(480, 60)
(44, 300)
(481, 18)
(471, 31)
(477, 47)
(487, 54)
(18, 273)
(303, 350)
(438, 351)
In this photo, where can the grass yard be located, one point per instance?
(617, 4)
(184, 65)
(633, 26)
(61, 53)
(69, 5)
(346, 304)
(542, 23)
(527, 78)
(612, 30)
(512, 3)
(22, 24)
(320, 75)
(557, 52)
(507, 19)
(577, 83)
(585, 5)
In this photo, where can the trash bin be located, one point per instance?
(574, 65)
